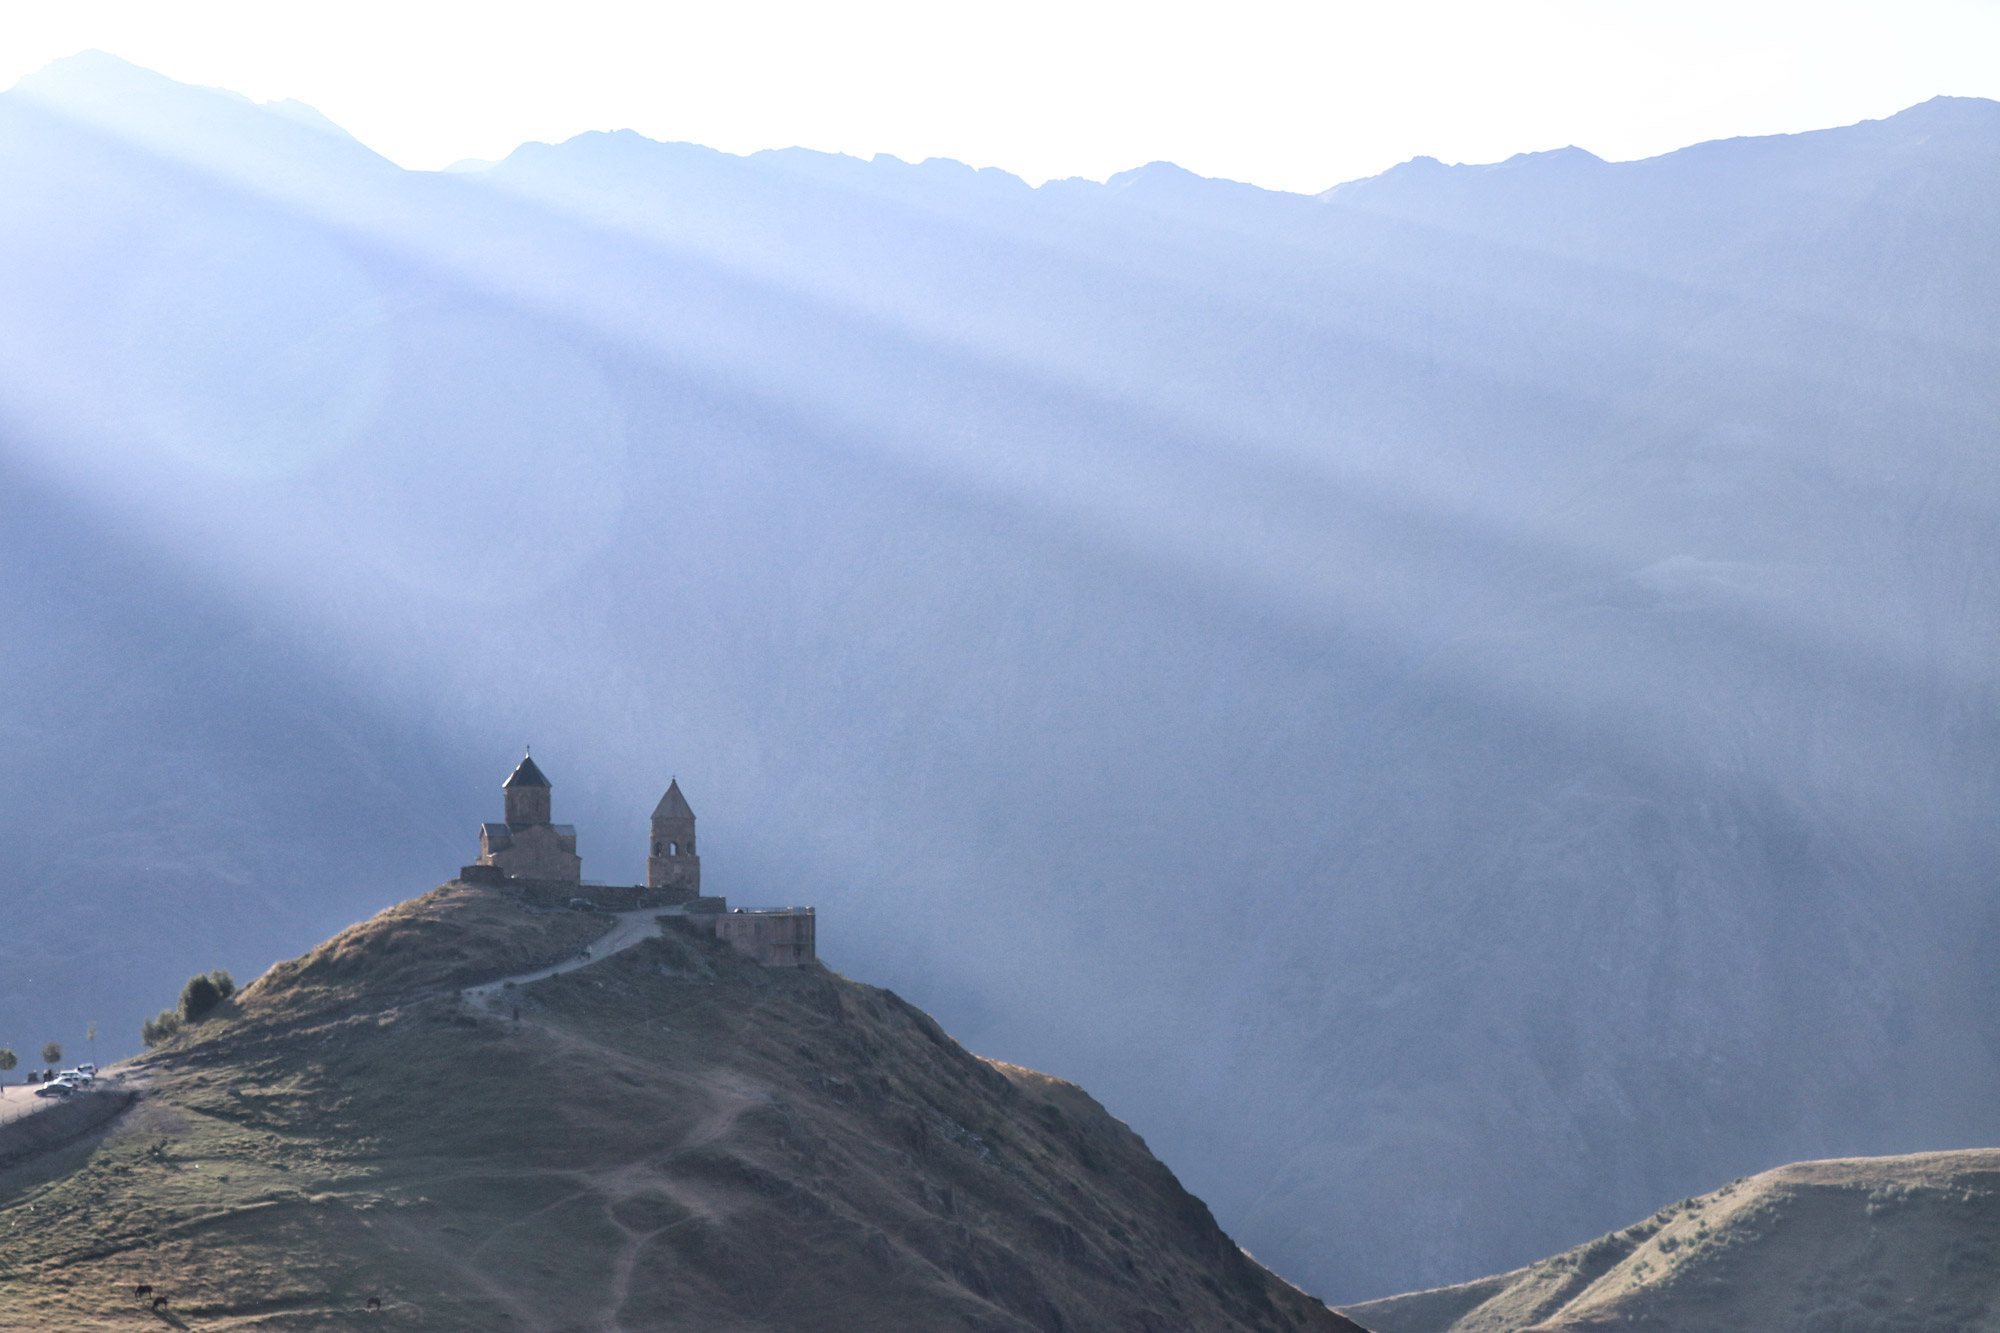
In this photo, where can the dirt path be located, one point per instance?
(611, 1187)
(628, 929)
(20, 1100)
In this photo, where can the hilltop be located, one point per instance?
(1862, 1245)
(668, 1138)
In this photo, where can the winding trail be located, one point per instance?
(632, 1179)
(628, 929)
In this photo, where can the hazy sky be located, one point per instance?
(1295, 95)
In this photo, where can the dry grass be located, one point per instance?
(1869, 1245)
(673, 1138)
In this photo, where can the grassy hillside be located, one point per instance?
(672, 1138)
(1865, 1245)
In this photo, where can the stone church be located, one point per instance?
(528, 846)
(532, 857)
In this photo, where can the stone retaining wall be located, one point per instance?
(560, 892)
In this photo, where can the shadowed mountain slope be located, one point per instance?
(1480, 687)
(670, 1138)
(1865, 1245)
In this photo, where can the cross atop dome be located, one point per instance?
(673, 805)
(526, 773)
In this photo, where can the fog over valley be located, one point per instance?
(1462, 707)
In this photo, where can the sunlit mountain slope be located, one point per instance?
(670, 1138)
(1868, 1245)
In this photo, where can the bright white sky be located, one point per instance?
(1295, 95)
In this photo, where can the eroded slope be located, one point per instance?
(1862, 1245)
(672, 1138)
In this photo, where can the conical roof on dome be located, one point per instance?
(526, 775)
(673, 805)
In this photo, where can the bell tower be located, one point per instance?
(527, 794)
(671, 862)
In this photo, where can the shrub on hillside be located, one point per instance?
(199, 998)
(203, 992)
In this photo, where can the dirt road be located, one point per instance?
(628, 929)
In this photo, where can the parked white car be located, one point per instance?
(80, 1076)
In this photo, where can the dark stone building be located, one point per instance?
(528, 846)
(537, 860)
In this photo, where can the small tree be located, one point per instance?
(7, 1060)
(52, 1053)
(164, 1026)
(199, 998)
(225, 984)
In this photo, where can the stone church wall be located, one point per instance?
(780, 937)
(551, 893)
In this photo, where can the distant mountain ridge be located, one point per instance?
(1460, 708)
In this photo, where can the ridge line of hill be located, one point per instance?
(672, 1137)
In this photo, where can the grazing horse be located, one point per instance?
(374, 1302)
(159, 1302)
(143, 1289)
